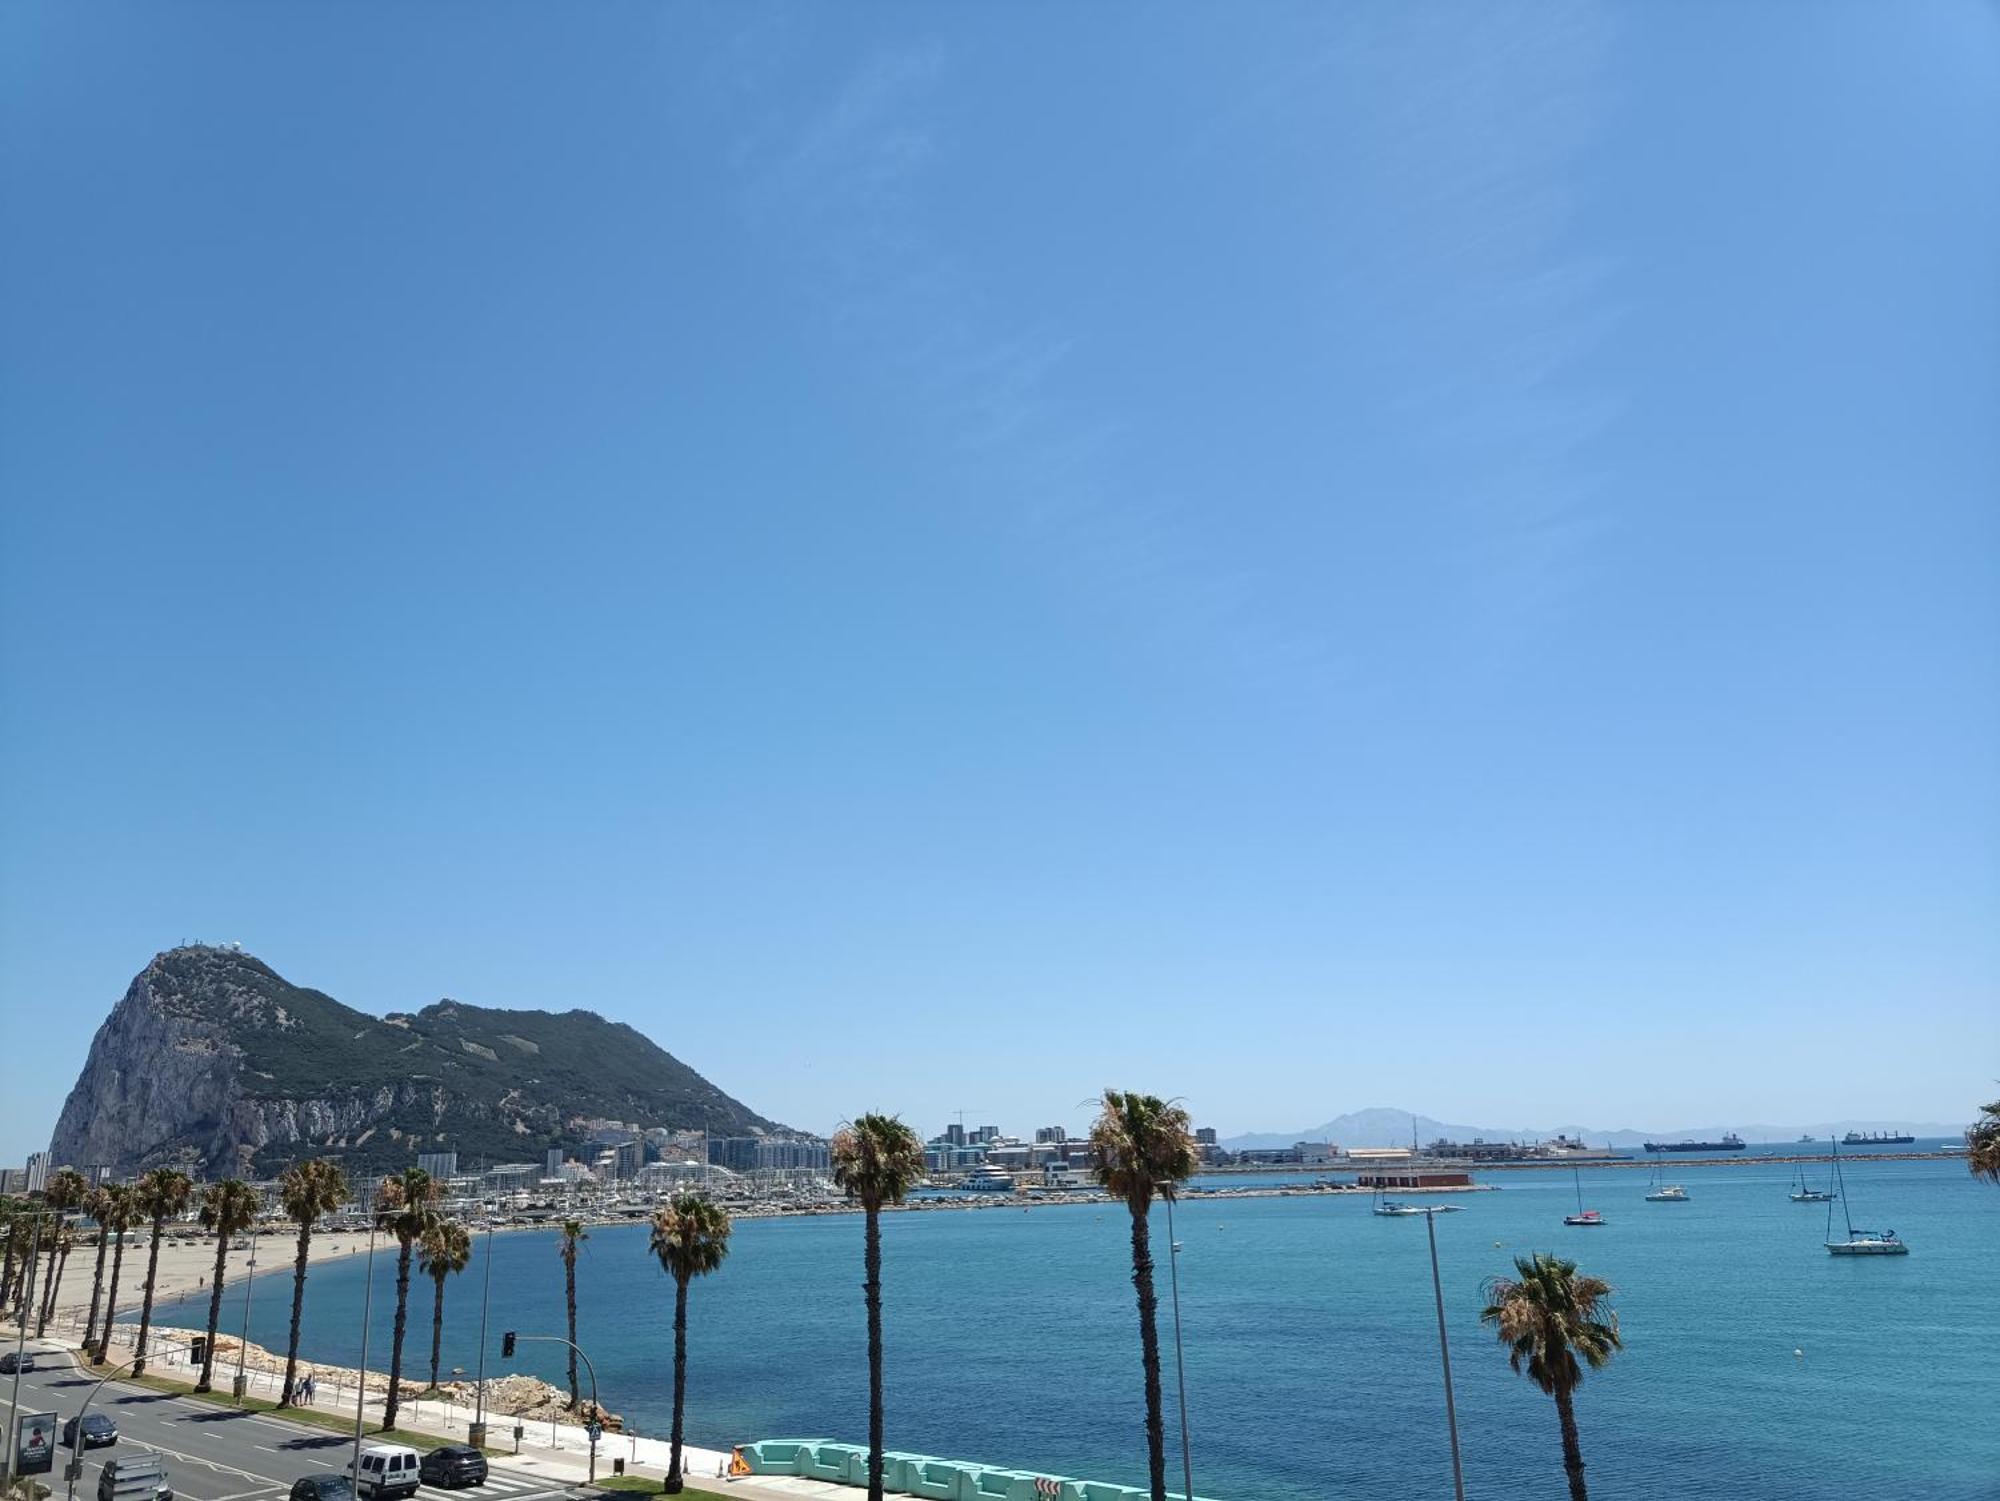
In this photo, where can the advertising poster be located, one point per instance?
(35, 1443)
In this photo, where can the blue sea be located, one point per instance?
(1756, 1366)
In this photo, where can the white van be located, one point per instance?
(388, 1471)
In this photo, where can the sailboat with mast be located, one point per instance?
(1805, 1193)
(1664, 1193)
(1858, 1242)
(1582, 1216)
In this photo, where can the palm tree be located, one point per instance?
(23, 1246)
(163, 1195)
(123, 1214)
(406, 1207)
(877, 1160)
(228, 1209)
(446, 1250)
(1145, 1146)
(691, 1237)
(1982, 1142)
(63, 1192)
(308, 1190)
(52, 1284)
(573, 1237)
(10, 1218)
(1547, 1318)
(96, 1204)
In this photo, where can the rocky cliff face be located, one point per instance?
(214, 1061)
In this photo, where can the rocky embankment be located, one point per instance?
(528, 1398)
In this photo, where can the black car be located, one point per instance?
(324, 1486)
(97, 1429)
(11, 1362)
(453, 1465)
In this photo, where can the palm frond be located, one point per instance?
(1982, 1144)
(1546, 1316)
(690, 1236)
(1143, 1146)
(877, 1159)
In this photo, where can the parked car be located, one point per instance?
(453, 1465)
(387, 1471)
(12, 1362)
(323, 1486)
(97, 1429)
(130, 1474)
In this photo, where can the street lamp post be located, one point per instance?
(361, 1376)
(1180, 1365)
(476, 1436)
(596, 1424)
(1444, 1356)
(75, 1466)
(243, 1344)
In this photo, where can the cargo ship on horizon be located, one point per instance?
(1876, 1139)
(1730, 1142)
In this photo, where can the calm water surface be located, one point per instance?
(1311, 1338)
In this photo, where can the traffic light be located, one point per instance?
(507, 1345)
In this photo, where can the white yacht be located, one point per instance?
(1858, 1242)
(1671, 1193)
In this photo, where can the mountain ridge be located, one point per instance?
(214, 1060)
(1383, 1126)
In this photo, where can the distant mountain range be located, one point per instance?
(1382, 1126)
(214, 1060)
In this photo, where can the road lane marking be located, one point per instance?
(218, 1466)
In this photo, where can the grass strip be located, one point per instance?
(641, 1485)
(305, 1417)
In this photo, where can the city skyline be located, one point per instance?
(1444, 558)
(1076, 1118)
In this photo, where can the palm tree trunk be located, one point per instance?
(298, 1308)
(680, 1382)
(58, 1258)
(214, 1310)
(1572, 1450)
(437, 1327)
(111, 1299)
(569, 1297)
(1149, 1345)
(394, 1403)
(872, 1289)
(96, 1289)
(25, 1290)
(7, 1268)
(146, 1309)
(56, 1265)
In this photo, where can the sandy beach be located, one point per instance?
(187, 1264)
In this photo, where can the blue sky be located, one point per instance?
(940, 557)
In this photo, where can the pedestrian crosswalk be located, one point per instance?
(499, 1482)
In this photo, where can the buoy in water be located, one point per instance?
(1798, 1355)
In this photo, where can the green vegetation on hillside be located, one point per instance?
(492, 1084)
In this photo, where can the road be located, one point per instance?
(221, 1453)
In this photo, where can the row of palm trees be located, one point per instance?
(1553, 1321)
